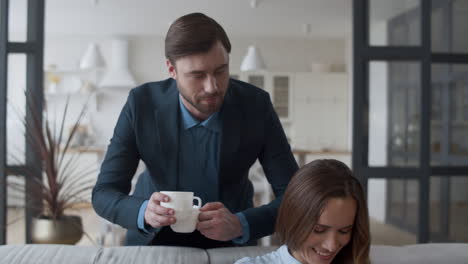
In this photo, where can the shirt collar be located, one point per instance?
(212, 122)
(286, 257)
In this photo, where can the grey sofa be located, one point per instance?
(59, 254)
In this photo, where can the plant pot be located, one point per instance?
(66, 230)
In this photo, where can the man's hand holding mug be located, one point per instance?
(175, 209)
(157, 215)
(218, 223)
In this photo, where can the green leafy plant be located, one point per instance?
(62, 185)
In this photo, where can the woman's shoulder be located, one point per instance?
(275, 257)
(272, 257)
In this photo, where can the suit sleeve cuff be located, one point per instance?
(141, 219)
(245, 230)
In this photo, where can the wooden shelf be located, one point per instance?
(87, 149)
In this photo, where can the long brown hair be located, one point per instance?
(305, 198)
(193, 33)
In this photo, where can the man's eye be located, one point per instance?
(218, 72)
(197, 76)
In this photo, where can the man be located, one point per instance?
(197, 131)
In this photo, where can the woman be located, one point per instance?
(323, 218)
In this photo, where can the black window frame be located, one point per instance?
(33, 48)
(363, 55)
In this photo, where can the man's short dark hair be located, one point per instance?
(193, 33)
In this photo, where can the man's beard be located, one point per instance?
(205, 109)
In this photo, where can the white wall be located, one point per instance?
(320, 111)
(290, 55)
(147, 53)
(147, 63)
(287, 55)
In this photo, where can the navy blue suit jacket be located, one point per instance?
(147, 130)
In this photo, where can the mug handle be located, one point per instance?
(199, 201)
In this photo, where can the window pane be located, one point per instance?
(17, 21)
(16, 106)
(439, 26)
(394, 113)
(396, 198)
(448, 26)
(390, 205)
(15, 211)
(403, 204)
(435, 207)
(460, 31)
(449, 114)
(257, 80)
(412, 204)
(395, 23)
(281, 95)
(449, 209)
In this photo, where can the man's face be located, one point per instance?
(202, 80)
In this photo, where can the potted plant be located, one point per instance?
(62, 185)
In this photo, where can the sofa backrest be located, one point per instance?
(65, 254)
(153, 255)
(59, 254)
(444, 253)
(27, 254)
(432, 253)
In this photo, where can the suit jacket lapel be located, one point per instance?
(230, 141)
(167, 123)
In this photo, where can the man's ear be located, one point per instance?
(171, 69)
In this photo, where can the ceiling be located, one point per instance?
(277, 18)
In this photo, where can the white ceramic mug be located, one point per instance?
(181, 201)
(186, 220)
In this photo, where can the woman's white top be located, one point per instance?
(280, 256)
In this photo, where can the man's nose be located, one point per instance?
(210, 86)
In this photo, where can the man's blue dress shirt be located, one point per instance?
(199, 146)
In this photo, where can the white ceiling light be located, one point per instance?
(92, 58)
(253, 60)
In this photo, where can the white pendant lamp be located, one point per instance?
(92, 59)
(253, 60)
(92, 63)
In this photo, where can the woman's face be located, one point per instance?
(331, 233)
